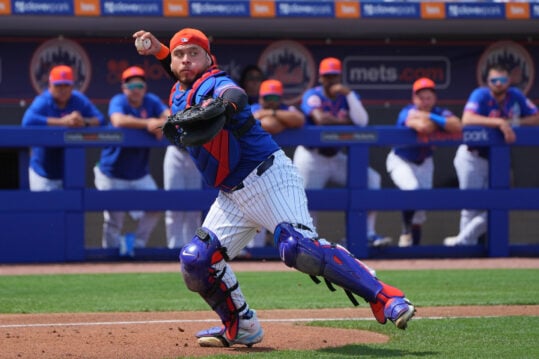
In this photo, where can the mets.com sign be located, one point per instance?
(394, 72)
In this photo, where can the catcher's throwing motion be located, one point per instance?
(259, 186)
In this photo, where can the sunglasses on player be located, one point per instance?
(502, 80)
(135, 86)
(272, 98)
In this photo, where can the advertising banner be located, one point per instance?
(379, 71)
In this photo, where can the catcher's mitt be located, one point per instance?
(197, 124)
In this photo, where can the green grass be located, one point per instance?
(500, 337)
(264, 290)
(445, 338)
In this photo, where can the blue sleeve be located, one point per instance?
(442, 111)
(90, 110)
(476, 101)
(307, 102)
(401, 120)
(36, 114)
(527, 107)
(446, 113)
(116, 104)
(158, 105)
(255, 107)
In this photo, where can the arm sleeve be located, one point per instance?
(90, 110)
(36, 114)
(237, 97)
(309, 102)
(115, 105)
(473, 104)
(358, 114)
(158, 107)
(527, 107)
(403, 115)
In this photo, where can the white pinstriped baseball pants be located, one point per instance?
(267, 200)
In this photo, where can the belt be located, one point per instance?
(260, 169)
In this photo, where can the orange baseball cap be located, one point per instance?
(190, 36)
(271, 87)
(423, 83)
(133, 71)
(61, 75)
(330, 66)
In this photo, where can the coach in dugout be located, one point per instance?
(59, 105)
(127, 168)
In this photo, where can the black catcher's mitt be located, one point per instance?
(197, 124)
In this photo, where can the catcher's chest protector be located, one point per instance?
(220, 156)
(217, 158)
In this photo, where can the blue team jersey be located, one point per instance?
(254, 146)
(257, 107)
(482, 102)
(130, 163)
(48, 162)
(417, 154)
(315, 98)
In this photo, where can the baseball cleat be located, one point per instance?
(376, 240)
(400, 311)
(451, 241)
(455, 241)
(406, 240)
(212, 337)
(249, 333)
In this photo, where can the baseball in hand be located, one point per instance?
(142, 44)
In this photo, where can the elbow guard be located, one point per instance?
(236, 100)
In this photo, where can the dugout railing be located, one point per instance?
(49, 226)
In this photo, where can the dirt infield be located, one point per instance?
(170, 334)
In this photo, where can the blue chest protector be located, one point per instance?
(217, 158)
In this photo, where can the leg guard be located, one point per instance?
(331, 261)
(338, 266)
(200, 259)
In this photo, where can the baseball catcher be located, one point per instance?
(197, 124)
(258, 187)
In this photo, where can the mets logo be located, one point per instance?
(59, 51)
(293, 65)
(514, 57)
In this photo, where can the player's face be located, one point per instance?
(424, 100)
(329, 80)
(188, 62)
(61, 93)
(252, 82)
(270, 101)
(498, 82)
(134, 90)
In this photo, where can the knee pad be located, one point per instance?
(197, 257)
(286, 239)
(200, 260)
(318, 257)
